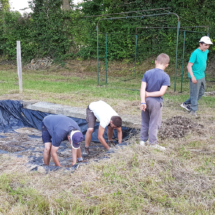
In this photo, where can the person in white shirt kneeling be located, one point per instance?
(107, 116)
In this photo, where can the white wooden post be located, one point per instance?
(19, 64)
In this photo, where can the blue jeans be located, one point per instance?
(196, 92)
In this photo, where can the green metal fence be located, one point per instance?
(131, 17)
(183, 29)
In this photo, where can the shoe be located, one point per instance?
(156, 146)
(74, 167)
(111, 143)
(83, 161)
(193, 113)
(185, 106)
(86, 151)
(142, 143)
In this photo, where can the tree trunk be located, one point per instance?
(65, 5)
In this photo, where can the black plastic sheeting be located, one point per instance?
(14, 116)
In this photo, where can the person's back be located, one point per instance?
(59, 126)
(155, 79)
(107, 117)
(154, 84)
(103, 112)
(55, 129)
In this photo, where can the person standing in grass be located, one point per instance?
(196, 72)
(107, 117)
(55, 129)
(154, 85)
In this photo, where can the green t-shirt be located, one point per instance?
(199, 60)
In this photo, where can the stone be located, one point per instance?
(77, 112)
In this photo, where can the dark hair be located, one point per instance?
(202, 43)
(117, 121)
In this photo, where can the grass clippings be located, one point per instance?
(136, 180)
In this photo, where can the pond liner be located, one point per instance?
(13, 116)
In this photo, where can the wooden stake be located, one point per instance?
(19, 65)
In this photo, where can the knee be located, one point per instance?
(47, 148)
(90, 130)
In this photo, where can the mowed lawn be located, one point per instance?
(136, 180)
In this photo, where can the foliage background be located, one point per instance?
(51, 31)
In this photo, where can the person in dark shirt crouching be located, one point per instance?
(58, 128)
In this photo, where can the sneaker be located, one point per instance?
(142, 143)
(86, 151)
(193, 113)
(185, 106)
(156, 146)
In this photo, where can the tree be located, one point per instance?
(4, 5)
(65, 5)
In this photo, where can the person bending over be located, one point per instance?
(58, 128)
(107, 117)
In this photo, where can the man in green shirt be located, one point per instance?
(196, 72)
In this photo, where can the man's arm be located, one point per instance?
(143, 96)
(157, 93)
(119, 132)
(190, 70)
(54, 155)
(101, 138)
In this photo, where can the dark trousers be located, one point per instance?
(151, 120)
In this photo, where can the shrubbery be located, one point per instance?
(50, 31)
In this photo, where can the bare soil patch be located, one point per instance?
(178, 127)
(28, 142)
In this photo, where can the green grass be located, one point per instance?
(136, 180)
(116, 88)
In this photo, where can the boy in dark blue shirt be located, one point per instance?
(154, 85)
(55, 129)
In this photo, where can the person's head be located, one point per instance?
(115, 122)
(75, 137)
(162, 61)
(204, 43)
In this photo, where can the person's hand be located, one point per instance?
(143, 107)
(146, 94)
(194, 80)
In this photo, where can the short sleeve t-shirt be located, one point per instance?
(59, 127)
(155, 79)
(199, 60)
(103, 112)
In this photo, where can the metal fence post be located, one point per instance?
(182, 72)
(106, 59)
(19, 65)
(176, 58)
(135, 55)
(97, 28)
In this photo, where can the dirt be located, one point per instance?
(212, 93)
(178, 127)
(28, 142)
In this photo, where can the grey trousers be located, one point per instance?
(196, 92)
(151, 120)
